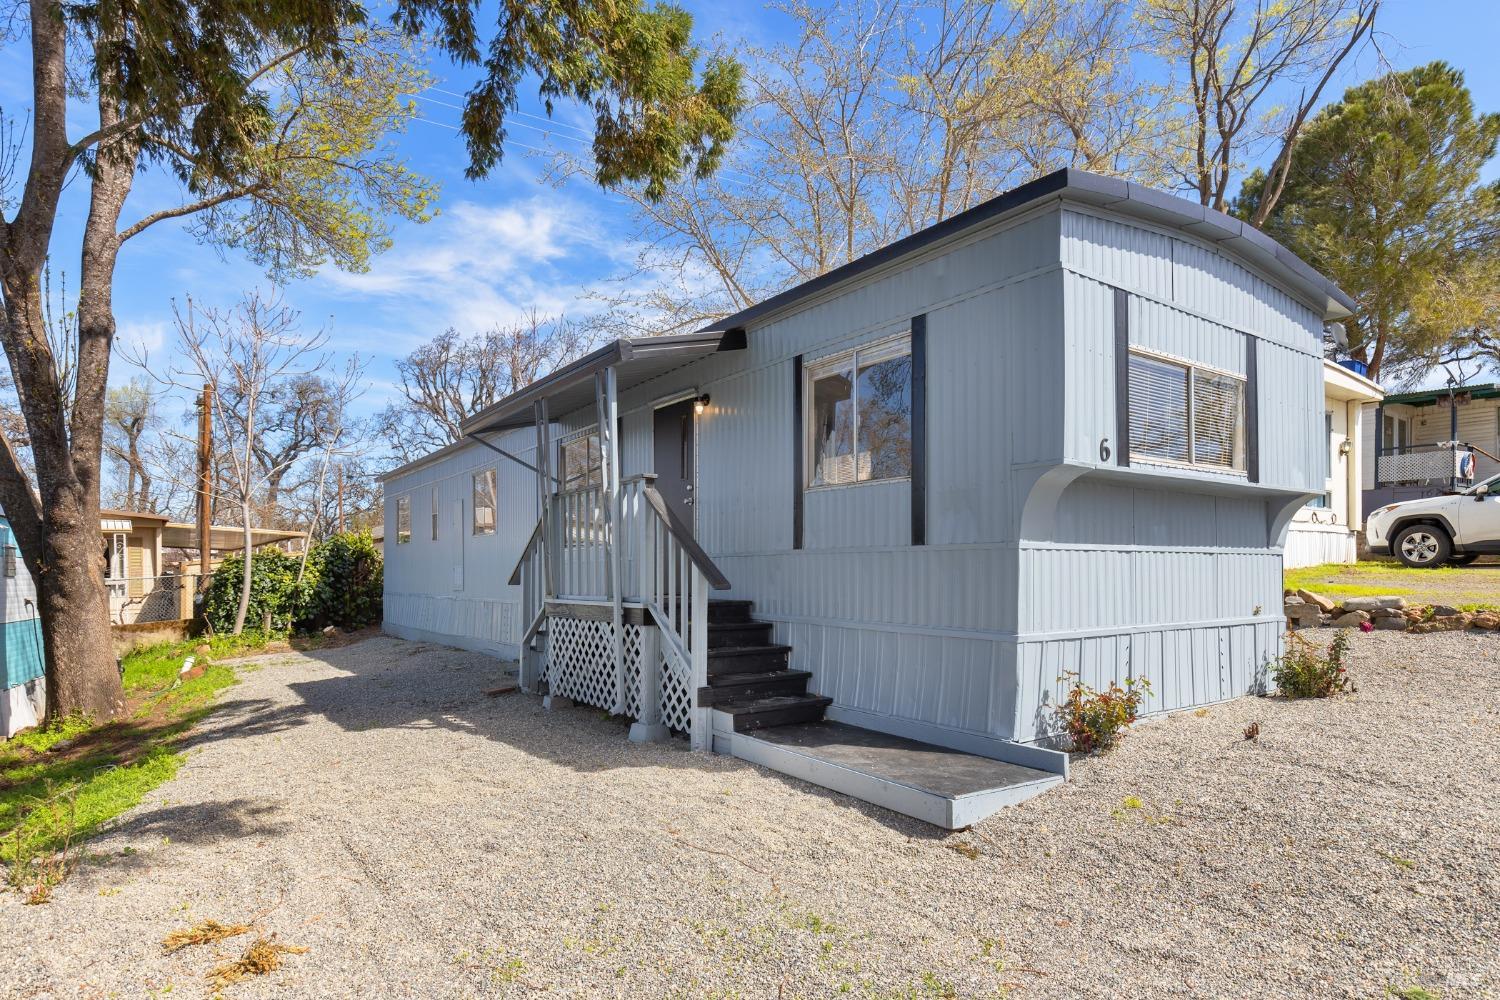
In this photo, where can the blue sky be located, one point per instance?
(512, 242)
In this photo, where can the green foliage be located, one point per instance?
(634, 64)
(1305, 672)
(273, 590)
(349, 582)
(1384, 195)
(1094, 719)
(63, 782)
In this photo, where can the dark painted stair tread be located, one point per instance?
(747, 659)
(725, 634)
(727, 610)
(749, 650)
(742, 687)
(776, 710)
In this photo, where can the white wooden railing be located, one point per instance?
(662, 571)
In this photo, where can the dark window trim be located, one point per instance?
(919, 430)
(1122, 377)
(1252, 413)
(798, 435)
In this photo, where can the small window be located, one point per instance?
(1185, 414)
(484, 502)
(403, 520)
(582, 462)
(860, 418)
(10, 562)
(114, 556)
(434, 513)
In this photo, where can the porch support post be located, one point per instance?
(534, 661)
(606, 395)
(649, 727)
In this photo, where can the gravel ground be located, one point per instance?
(423, 840)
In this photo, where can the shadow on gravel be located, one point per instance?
(389, 683)
(206, 822)
(242, 717)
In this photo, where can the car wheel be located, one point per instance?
(1422, 546)
(1463, 559)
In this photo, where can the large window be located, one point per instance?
(1186, 414)
(582, 462)
(403, 520)
(860, 419)
(484, 502)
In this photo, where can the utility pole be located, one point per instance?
(205, 482)
(341, 499)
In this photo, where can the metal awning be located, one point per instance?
(222, 537)
(571, 387)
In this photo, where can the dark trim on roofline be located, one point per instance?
(1240, 238)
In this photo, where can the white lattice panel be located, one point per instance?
(676, 700)
(581, 663)
(580, 667)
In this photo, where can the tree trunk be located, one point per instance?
(249, 571)
(74, 608)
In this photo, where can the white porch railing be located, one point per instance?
(660, 658)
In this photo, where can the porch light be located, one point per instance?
(700, 404)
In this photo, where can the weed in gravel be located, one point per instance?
(1399, 861)
(203, 932)
(261, 958)
(1094, 719)
(39, 864)
(1306, 672)
(965, 848)
(1252, 731)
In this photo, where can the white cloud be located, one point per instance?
(138, 338)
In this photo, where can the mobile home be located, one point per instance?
(1061, 433)
(23, 685)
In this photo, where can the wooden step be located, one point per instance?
(776, 710)
(747, 659)
(726, 688)
(722, 611)
(749, 633)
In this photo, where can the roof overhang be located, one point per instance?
(1432, 397)
(571, 387)
(222, 537)
(1125, 197)
(1342, 384)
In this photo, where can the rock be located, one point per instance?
(1398, 624)
(1373, 603)
(330, 630)
(1387, 613)
(1449, 623)
(1323, 604)
(1485, 620)
(1444, 611)
(1415, 614)
(1422, 628)
(1292, 601)
(1351, 619)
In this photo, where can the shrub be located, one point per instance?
(1305, 672)
(273, 590)
(350, 582)
(1093, 719)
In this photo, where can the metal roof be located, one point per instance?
(1127, 197)
(1429, 397)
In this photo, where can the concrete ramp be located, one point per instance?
(944, 787)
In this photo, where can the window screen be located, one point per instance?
(860, 428)
(582, 462)
(1185, 414)
(10, 561)
(484, 502)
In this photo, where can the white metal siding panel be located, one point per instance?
(1089, 357)
(1171, 331)
(1126, 256)
(1292, 433)
(866, 515)
(1036, 379)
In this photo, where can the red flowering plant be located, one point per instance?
(1305, 671)
(1094, 719)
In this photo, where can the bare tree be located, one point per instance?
(451, 377)
(880, 119)
(245, 355)
(1240, 58)
(129, 413)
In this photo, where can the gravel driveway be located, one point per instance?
(424, 840)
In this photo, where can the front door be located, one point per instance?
(672, 434)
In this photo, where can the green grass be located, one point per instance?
(101, 771)
(1363, 579)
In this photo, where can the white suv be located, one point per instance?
(1454, 529)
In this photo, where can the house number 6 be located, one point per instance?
(1104, 451)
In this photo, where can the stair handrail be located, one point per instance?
(711, 572)
(515, 574)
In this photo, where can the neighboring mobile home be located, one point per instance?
(1064, 431)
(1430, 441)
(23, 684)
(1326, 529)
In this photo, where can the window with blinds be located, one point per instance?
(1185, 414)
(859, 426)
